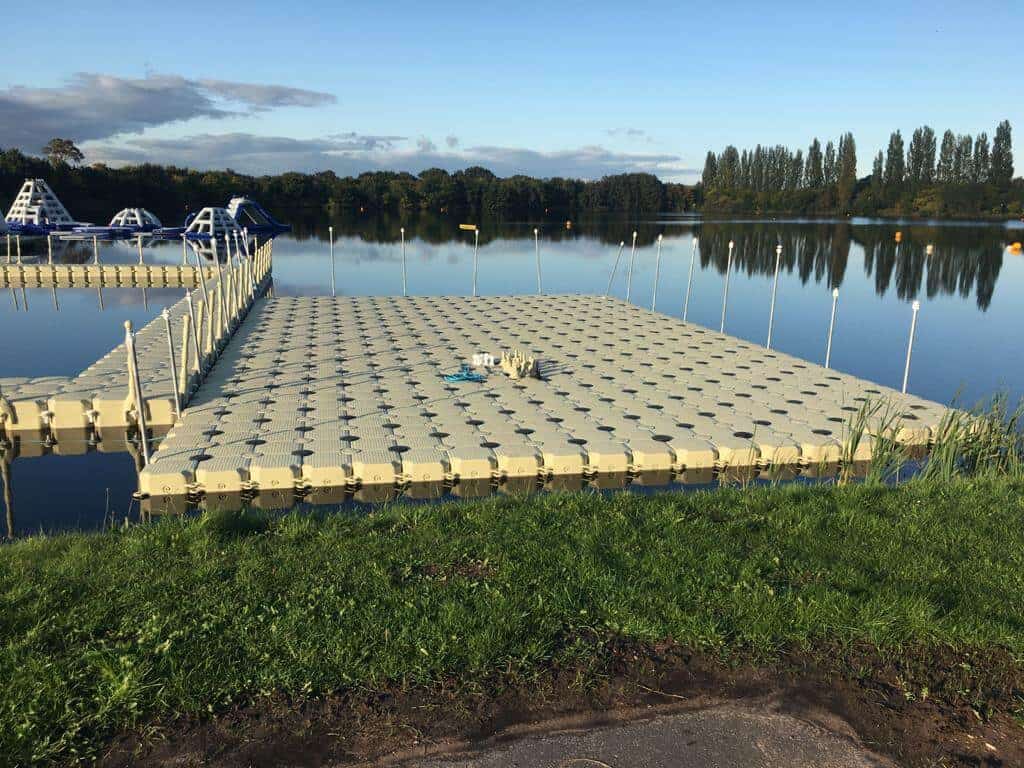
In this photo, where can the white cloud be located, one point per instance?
(94, 106)
(352, 153)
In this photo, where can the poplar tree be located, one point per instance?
(814, 175)
(914, 158)
(1001, 159)
(830, 164)
(895, 167)
(876, 172)
(927, 155)
(944, 172)
(710, 170)
(728, 168)
(980, 163)
(962, 159)
(795, 170)
(847, 168)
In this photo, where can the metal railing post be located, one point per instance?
(536, 248)
(330, 236)
(831, 328)
(629, 274)
(725, 292)
(174, 366)
(615, 266)
(476, 250)
(689, 279)
(405, 285)
(135, 384)
(775, 288)
(916, 307)
(657, 275)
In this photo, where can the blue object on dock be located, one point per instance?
(465, 374)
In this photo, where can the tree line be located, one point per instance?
(96, 191)
(962, 175)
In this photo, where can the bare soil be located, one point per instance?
(922, 708)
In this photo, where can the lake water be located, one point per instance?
(968, 345)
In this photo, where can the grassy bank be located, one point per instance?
(100, 632)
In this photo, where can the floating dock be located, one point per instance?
(103, 275)
(320, 397)
(98, 399)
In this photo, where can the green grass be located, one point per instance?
(100, 632)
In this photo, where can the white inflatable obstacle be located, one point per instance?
(136, 219)
(213, 223)
(37, 204)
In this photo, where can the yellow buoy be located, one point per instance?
(1016, 248)
(899, 237)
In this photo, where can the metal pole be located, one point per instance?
(56, 304)
(195, 331)
(689, 280)
(99, 293)
(330, 236)
(657, 274)
(725, 292)
(536, 248)
(202, 276)
(95, 250)
(629, 274)
(184, 251)
(775, 288)
(831, 327)
(476, 248)
(17, 242)
(49, 248)
(916, 307)
(174, 366)
(139, 241)
(136, 385)
(8, 247)
(405, 288)
(221, 295)
(615, 266)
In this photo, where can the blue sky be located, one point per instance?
(555, 88)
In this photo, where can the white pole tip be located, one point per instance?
(731, 243)
(778, 249)
(835, 293)
(916, 305)
(659, 238)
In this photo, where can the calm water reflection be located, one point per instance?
(967, 346)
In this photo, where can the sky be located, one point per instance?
(581, 89)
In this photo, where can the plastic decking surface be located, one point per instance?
(315, 394)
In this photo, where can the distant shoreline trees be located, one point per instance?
(963, 175)
(959, 176)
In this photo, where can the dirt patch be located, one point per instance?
(923, 708)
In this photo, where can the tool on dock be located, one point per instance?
(465, 373)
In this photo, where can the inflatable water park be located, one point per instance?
(38, 212)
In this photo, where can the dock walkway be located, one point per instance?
(103, 275)
(98, 397)
(324, 396)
